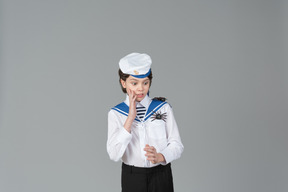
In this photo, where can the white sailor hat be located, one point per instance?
(136, 64)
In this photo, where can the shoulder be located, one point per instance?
(120, 108)
(162, 101)
(119, 104)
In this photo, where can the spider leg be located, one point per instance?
(164, 118)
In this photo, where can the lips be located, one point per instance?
(140, 95)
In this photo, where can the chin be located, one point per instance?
(140, 99)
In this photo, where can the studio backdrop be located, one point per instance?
(221, 64)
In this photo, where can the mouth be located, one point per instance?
(140, 95)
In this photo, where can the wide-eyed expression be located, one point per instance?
(140, 86)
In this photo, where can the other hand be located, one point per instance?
(152, 155)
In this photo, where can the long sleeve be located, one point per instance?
(174, 147)
(118, 137)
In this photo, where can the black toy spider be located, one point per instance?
(159, 116)
(160, 98)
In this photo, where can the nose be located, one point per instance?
(140, 87)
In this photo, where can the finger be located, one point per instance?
(131, 93)
(150, 155)
(151, 159)
(134, 95)
(148, 146)
(148, 149)
(151, 150)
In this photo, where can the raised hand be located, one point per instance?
(132, 104)
(132, 110)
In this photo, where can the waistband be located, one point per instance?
(145, 170)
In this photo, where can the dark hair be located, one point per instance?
(124, 76)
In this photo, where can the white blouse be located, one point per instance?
(161, 133)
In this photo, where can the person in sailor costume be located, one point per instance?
(142, 132)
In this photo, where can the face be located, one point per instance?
(140, 86)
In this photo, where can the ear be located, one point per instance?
(123, 83)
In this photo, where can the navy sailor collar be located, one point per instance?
(153, 106)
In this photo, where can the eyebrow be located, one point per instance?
(132, 79)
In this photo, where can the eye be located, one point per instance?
(133, 83)
(146, 83)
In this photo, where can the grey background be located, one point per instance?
(221, 64)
